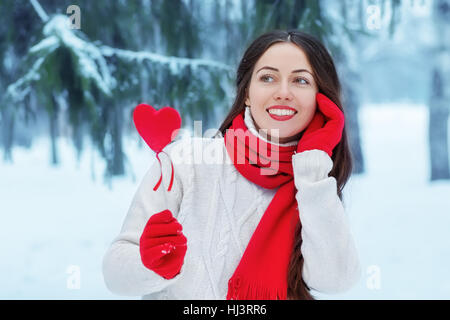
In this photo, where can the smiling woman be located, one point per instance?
(293, 70)
(270, 225)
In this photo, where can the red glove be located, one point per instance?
(162, 245)
(320, 136)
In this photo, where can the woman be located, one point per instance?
(254, 212)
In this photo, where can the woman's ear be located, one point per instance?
(247, 100)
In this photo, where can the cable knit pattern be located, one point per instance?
(219, 210)
(331, 263)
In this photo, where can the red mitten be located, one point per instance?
(162, 245)
(325, 130)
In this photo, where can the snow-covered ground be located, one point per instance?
(399, 219)
(57, 222)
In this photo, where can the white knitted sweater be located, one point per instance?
(219, 210)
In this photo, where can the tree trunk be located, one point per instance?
(7, 132)
(53, 125)
(351, 105)
(117, 164)
(440, 94)
(438, 129)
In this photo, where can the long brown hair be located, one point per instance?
(328, 83)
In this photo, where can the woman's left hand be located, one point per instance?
(325, 129)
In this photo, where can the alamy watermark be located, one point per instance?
(241, 146)
(73, 281)
(376, 19)
(75, 16)
(373, 281)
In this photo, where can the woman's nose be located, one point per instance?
(283, 92)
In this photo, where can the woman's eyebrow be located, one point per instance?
(275, 69)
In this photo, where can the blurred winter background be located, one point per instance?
(71, 73)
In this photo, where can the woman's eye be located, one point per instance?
(269, 78)
(302, 79)
(265, 77)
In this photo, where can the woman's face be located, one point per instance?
(282, 78)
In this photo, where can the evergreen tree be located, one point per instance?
(181, 53)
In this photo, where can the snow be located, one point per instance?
(91, 58)
(175, 63)
(48, 44)
(57, 218)
(57, 221)
(400, 221)
(19, 89)
(92, 64)
(91, 61)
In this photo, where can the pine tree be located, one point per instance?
(101, 82)
(181, 53)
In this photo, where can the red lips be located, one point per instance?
(281, 118)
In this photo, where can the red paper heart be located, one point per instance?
(157, 128)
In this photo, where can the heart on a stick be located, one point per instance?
(157, 127)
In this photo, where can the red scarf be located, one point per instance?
(263, 269)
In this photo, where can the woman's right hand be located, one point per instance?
(162, 245)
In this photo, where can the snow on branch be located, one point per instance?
(90, 58)
(92, 64)
(19, 89)
(90, 61)
(175, 63)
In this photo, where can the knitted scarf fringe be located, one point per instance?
(242, 289)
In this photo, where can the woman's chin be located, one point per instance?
(274, 135)
(287, 138)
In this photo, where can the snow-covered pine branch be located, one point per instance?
(19, 89)
(92, 65)
(175, 63)
(91, 62)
